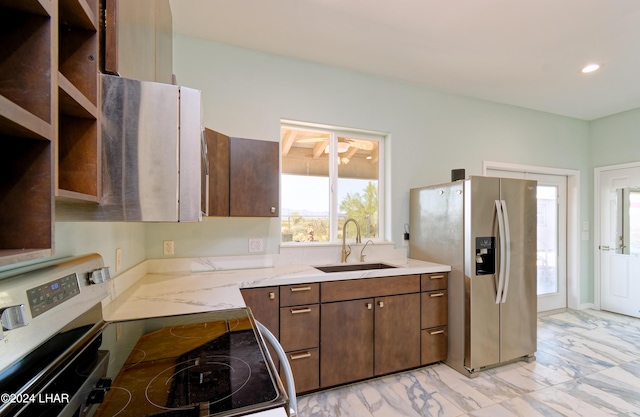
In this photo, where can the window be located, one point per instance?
(328, 176)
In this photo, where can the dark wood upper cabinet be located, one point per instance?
(244, 176)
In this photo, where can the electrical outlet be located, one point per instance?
(118, 259)
(256, 245)
(167, 247)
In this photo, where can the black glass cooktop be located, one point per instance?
(191, 365)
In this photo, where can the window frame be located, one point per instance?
(334, 132)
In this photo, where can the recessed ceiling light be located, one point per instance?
(590, 68)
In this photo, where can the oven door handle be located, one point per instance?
(288, 374)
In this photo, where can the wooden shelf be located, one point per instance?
(25, 62)
(78, 60)
(74, 197)
(78, 163)
(26, 212)
(72, 102)
(40, 7)
(78, 13)
(18, 122)
(27, 130)
(78, 158)
(12, 256)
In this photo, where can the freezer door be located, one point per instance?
(519, 307)
(482, 339)
(437, 232)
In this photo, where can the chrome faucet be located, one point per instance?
(347, 252)
(362, 255)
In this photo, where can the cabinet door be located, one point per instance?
(130, 38)
(346, 341)
(216, 198)
(265, 306)
(397, 333)
(254, 176)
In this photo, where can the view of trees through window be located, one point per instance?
(328, 177)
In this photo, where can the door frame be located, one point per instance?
(573, 221)
(597, 283)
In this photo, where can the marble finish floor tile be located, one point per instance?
(587, 365)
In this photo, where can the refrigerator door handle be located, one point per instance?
(507, 254)
(502, 237)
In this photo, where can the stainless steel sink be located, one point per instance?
(353, 267)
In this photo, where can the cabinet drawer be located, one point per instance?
(296, 295)
(305, 366)
(299, 327)
(434, 345)
(434, 309)
(354, 289)
(431, 282)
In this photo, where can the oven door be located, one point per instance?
(211, 364)
(65, 376)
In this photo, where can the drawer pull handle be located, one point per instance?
(440, 294)
(272, 296)
(436, 332)
(436, 277)
(297, 289)
(300, 310)
(300, 356)
(369, 306)
(380, 304)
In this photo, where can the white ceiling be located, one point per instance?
(526, 53)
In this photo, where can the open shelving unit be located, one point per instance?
(49, 118)
(27, 130)
(78, 131)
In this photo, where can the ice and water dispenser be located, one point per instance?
(485, 255)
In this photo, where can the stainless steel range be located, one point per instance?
(58, 357)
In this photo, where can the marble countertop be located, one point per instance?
(206, 286)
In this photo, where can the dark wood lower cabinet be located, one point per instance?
(346, 341)
(369, 337)
(339, 332)
(397, 333)
(265, 307)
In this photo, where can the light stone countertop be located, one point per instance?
(208, 286)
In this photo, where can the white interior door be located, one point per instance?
(552, 236)
(619, 241)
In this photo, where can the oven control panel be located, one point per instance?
(46, 296)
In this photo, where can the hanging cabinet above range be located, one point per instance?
(243, 177)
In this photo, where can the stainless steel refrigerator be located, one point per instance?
(485, 228)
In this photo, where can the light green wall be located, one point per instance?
(616, 139)
(246, 93)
